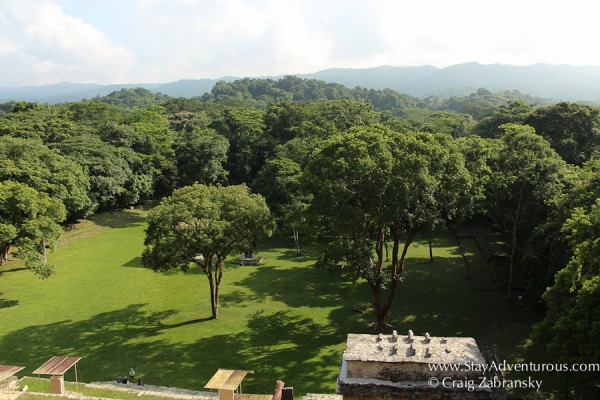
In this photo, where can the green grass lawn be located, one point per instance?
(284, 319)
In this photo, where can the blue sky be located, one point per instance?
(117, 41)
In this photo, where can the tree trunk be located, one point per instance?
(382, 310)
(430, 248)
(214, 281)
(43, 245)
(208, 271)
(6, 251)
(380, 313)
(514, 247)
(387, 251)
(213, 305)
(296, 240)
(397, 267)
(219, 273)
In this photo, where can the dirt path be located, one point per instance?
(160, 391)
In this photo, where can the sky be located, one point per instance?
(155, 41)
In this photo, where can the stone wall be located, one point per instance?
(385, 367)
(406, 371)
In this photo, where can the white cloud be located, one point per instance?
(185, 39)
(47, 46)
(7, 47)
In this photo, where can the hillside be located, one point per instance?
(559, 82)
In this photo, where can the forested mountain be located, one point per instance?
(558, 82)
(70, 92)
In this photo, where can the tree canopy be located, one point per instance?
(30, 162)
(570, 329)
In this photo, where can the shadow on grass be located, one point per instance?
(305, 255)
(296, 287)
(277, 345)
(135, 262)
(286, 250)
(8, 303)
(104, 341)
(119, 218)
(8, 269)
(186, 323)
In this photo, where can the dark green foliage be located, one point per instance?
(94, 112)
(547, 250)
(30, 162)
(261, 92)
(201, 155)
(478, 153)
(446, 122)
(181, 104)
(30, 220)
(571, 328)
(264, 91)
(7, 107)
(512, 112)
(527, 174)
(288, 120)
(188, 121)
(33, 121)
(249, 147)
(118, 177)
(154, 139)
(386, 99)
(129, 98)
(572, 129)
(121, 135)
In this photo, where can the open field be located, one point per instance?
(284, 320)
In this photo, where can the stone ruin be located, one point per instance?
(407, 367)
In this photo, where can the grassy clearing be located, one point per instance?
(284, 320)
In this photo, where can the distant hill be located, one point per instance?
(560, 82)
(70, 92)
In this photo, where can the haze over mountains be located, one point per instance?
(559, 82)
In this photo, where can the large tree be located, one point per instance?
(249, 146)
(570, 328)
(371, 183)
(279, 182)
(117, 176)
(513, 112)
(527, 173)
(201, 154)
(30, 220)
(572, 129)
(152, 137)
(203, 224)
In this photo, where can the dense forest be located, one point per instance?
(533, 168)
